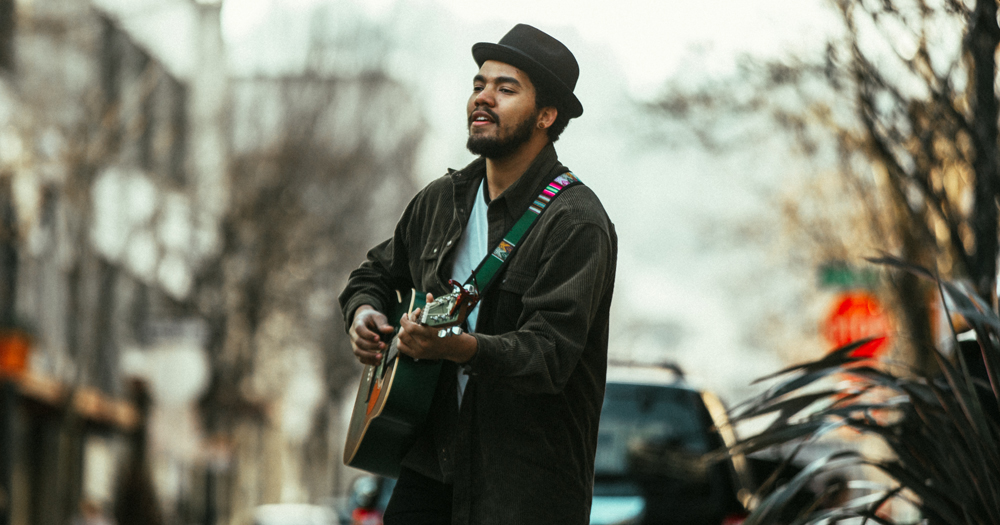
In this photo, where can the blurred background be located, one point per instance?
(186, 184)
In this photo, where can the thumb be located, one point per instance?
(382, 324)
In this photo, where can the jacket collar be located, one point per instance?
(525, 189)
(519, 195)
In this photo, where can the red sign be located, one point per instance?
(14, 348)
(855, 316)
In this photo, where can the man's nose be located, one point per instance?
(485, 97)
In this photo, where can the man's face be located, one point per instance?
(501, 110)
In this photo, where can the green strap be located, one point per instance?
(483, 275)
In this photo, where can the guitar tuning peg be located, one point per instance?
(445, 332)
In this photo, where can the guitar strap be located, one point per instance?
(490, 266)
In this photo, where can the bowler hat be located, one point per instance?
(548, 63)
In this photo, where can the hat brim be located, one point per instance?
(539, 74)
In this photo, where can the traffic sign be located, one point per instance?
(858, 315)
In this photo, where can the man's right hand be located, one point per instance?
(365, 332)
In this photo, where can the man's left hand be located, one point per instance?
(422, 342)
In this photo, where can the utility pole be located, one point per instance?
(7, 35)
(8, 288)
(8, 284)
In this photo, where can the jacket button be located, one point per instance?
(448, 243)
(435, 250)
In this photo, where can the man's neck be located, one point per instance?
(501, 173)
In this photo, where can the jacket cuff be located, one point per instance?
(487, 349)
(355, 302)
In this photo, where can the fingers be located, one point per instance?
(366, 357)
(381, 323)
(406, 343)
(370, 325)
(366, 340)
(367, 351)
(406, 323)
(416, 340)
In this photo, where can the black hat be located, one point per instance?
(546, 60)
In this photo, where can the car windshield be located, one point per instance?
(646, 424)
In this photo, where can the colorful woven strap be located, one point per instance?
(489, 267)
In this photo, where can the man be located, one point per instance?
(512, 432)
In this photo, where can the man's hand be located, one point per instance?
(422, 342)
(365, 332)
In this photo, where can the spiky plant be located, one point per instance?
(941, 430)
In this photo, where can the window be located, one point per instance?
(6, 35)
(649, 420)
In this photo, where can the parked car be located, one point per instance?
(367, 500)
(294, 514)
(651, 465)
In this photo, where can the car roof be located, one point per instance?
(648, 375)
(294, 513)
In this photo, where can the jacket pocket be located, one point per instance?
(430, 258)
(510, 305)
(516, 282)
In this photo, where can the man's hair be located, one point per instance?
(544, 98)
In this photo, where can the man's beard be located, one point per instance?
(497, 147)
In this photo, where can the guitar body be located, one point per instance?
(395, 396)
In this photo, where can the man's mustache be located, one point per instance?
(488, 111)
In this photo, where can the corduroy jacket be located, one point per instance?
(521, 450)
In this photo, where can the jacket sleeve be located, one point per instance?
(559, 307)
(385, 270)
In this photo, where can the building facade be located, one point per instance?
(173, 243)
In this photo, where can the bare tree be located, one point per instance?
(319, 168)
(903, 107)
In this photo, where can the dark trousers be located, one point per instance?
(418, 500)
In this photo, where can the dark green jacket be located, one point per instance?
(522, 448)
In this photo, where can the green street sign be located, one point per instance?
(843, 276)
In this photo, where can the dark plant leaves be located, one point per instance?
(943, 430)
(889, 260)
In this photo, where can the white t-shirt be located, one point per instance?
(470, 252)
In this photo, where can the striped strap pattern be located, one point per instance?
(493, 262)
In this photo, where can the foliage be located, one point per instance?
(901, 103)
(898, 116)
(942, 430)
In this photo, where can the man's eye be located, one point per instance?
(477, 88)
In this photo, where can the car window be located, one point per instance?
(640, 419)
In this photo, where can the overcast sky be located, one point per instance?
(649, 38)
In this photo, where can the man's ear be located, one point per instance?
(547, 116)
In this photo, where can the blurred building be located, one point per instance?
(173, 242)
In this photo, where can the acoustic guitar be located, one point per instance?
(395, 395)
